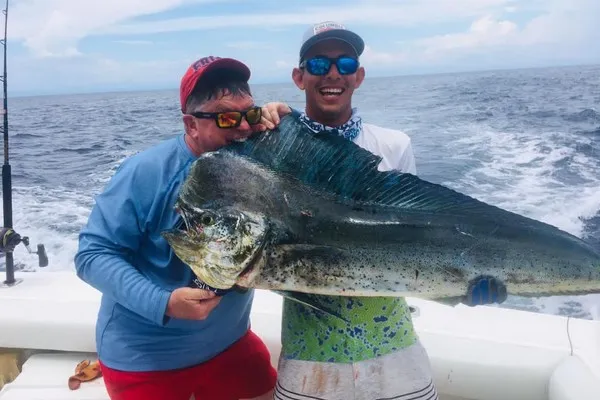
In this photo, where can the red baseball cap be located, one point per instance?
(203, 65)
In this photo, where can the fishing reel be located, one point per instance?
(11, 239)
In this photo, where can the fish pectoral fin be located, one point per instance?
(485, 290)
(306, 300)
(482, 290)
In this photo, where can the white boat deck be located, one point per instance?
(482, 353)
(45, 377)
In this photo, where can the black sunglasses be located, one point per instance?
(320, 65)
(231, 119)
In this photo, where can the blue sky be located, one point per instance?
(62, 46)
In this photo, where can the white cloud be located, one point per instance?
(379, 12)
(573, 23)
(484, 32)
(374, 57)
(562, 33)
(54, 27)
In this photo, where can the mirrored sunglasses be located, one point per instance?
(231, 119)
(321, 65)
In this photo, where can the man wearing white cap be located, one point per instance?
(373, 352)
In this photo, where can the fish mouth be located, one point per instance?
(212, 270)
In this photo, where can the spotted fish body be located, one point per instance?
(332, 223)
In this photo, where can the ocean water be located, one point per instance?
(525, 140)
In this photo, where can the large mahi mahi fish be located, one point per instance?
(291, 210)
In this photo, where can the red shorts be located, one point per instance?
(242, 371)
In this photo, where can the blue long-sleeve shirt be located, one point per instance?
(122, 254)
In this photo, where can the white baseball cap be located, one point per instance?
(330, 30)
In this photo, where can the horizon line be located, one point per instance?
(27, 93)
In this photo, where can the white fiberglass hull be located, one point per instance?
(482, 353)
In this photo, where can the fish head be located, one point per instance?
(218, 244)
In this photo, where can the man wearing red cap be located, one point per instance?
(374, 351)
(160, 333)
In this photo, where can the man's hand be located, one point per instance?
(271, 114)
(190, 303)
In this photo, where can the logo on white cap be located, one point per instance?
(326, 26)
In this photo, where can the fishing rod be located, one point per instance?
(9, 239)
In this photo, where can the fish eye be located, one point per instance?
(207, 219)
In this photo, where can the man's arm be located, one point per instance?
(113, 232)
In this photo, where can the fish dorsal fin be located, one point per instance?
(334, 164)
